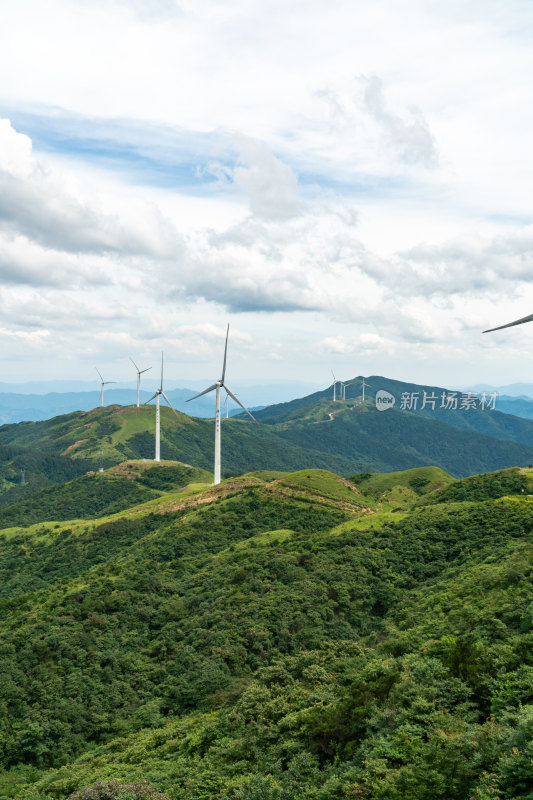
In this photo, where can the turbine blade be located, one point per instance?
(96, 368)
(241, 405)
(161, 387)
(510, 324)
(214, 386)
(150, 400)
(106, 382)
(134, 364)
(225, 354)
(144, 370)
(170, 404)
(334, 378)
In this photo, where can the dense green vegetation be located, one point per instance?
(485, 487)
(100, 494)
(281, 637)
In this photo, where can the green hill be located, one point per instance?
(99, 494)
(485, 487)
(279, 636)
(344, 438)
(489, 422)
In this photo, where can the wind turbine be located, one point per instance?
(102, 384)
(364, 384)
(218, 386)
(334, 387)
(157, 395)
(139, 373)
(510, 324)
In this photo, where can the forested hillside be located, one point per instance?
(409, 397)
(282, 636)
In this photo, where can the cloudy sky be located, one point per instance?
(348, 184)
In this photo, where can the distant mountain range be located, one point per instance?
(21, 406)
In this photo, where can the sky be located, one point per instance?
(346, 184)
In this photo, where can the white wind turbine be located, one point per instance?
(157, 395)
(139, 373)
(364, 384)
(102, 384)
(334, 387)
(218, 386)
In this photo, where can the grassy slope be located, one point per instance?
(271, 639)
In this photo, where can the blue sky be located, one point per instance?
(347, 184)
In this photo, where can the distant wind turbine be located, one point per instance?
(334, 387)
(343, 390)
(218, 386)
(510, 324)
(364, 384)
(157, 395)
(139, 373)
(102, 384)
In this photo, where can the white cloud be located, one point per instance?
(270, 186)
(408, 135)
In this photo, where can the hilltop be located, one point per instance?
(283, 635)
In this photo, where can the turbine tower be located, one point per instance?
(139, 373)
(157, 395)
(102, 384)
(364, 384)
(218, 386)
(510, 324)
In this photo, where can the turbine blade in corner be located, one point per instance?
(225, 355)
(210, 389)
(241, 405)
(511, 324)
(170, 404)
